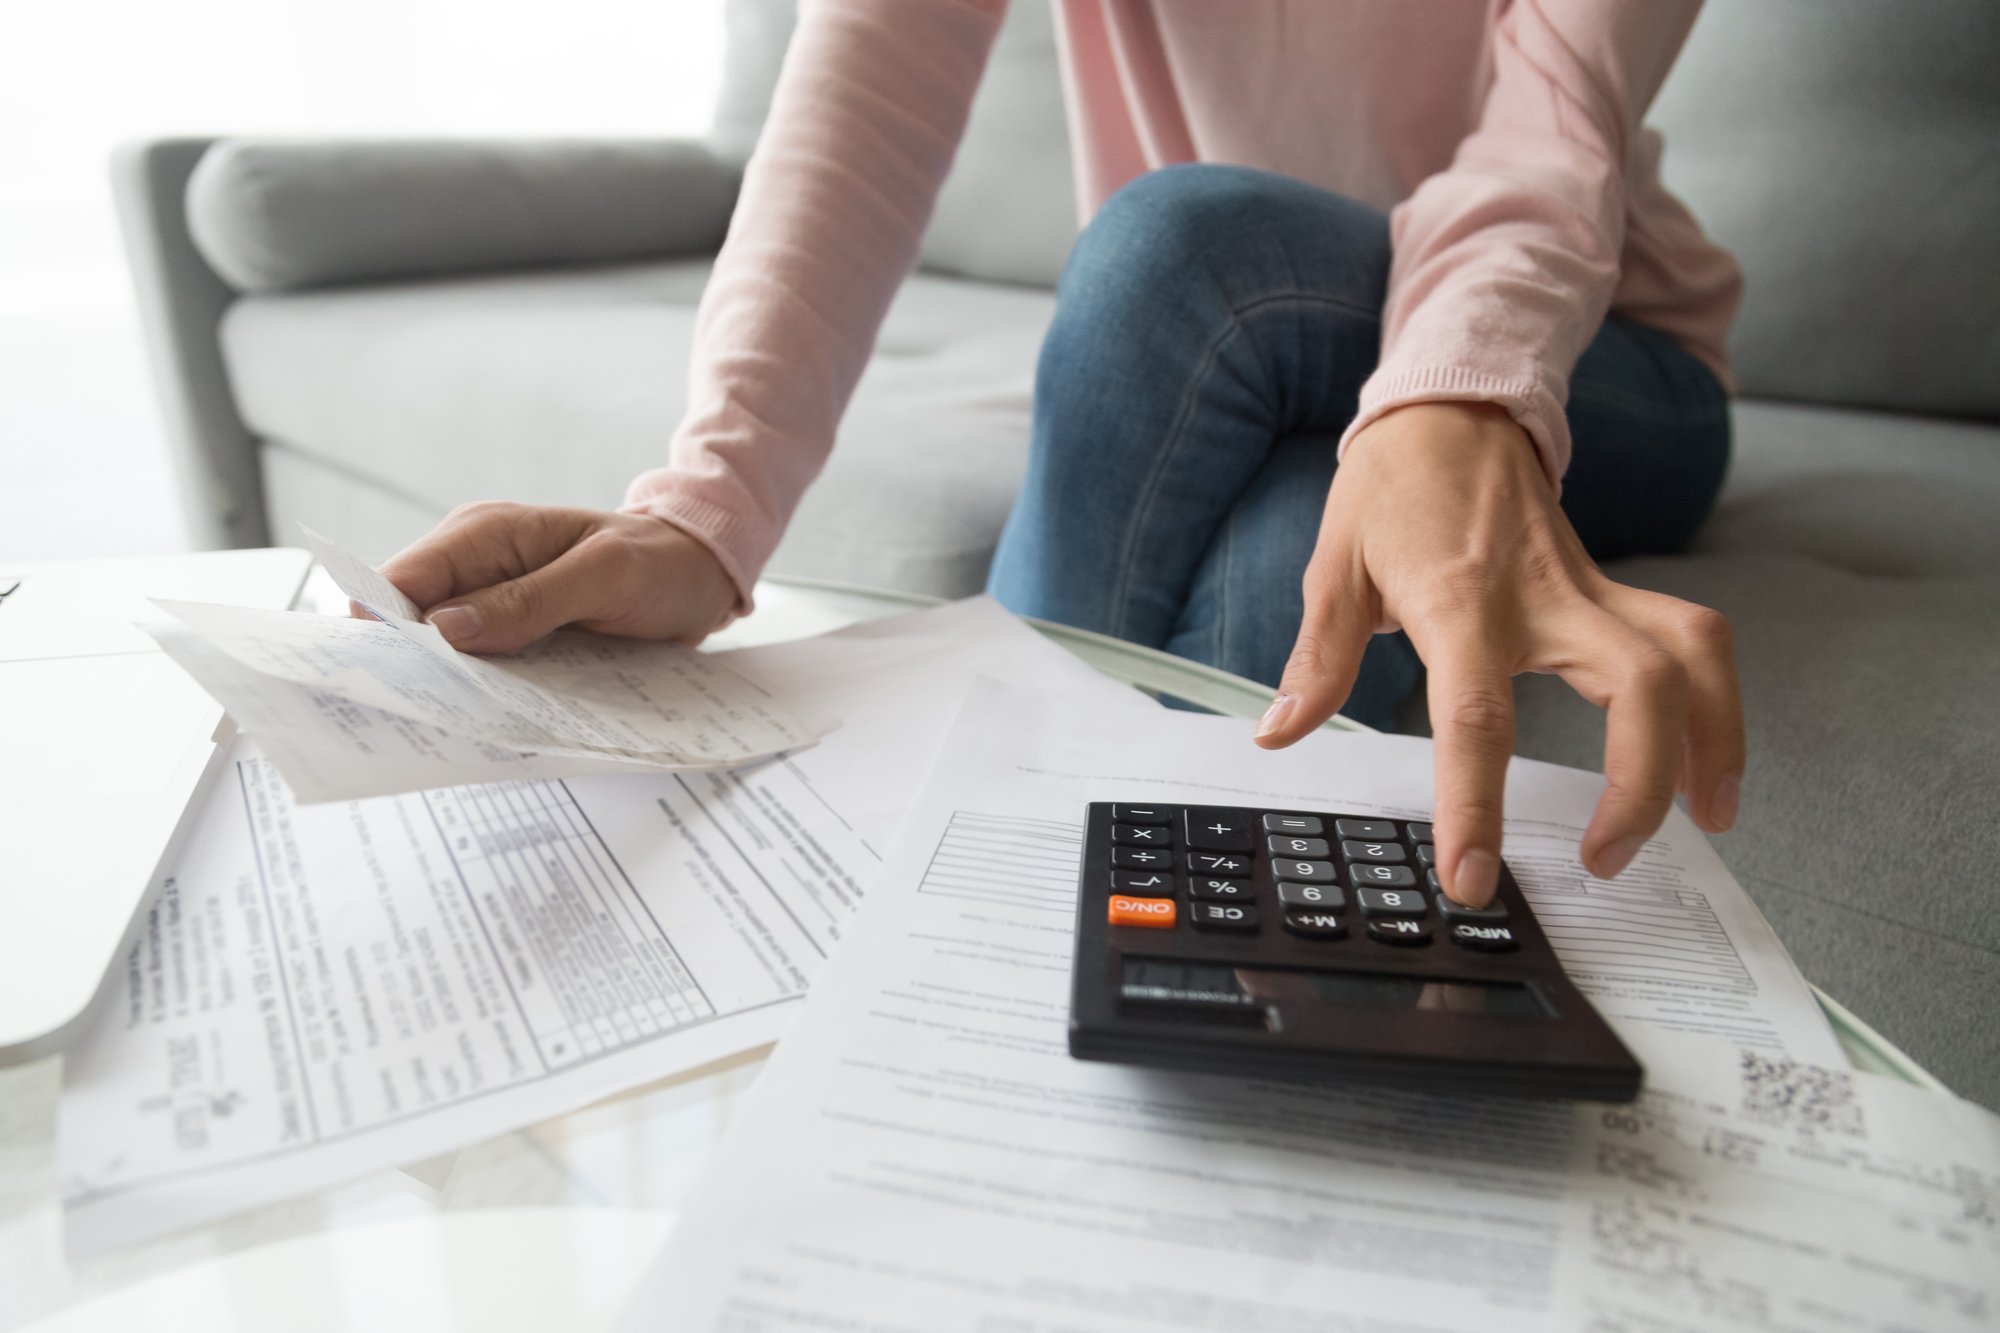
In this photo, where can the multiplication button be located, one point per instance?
(1142, 835)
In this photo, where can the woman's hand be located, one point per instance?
(496, 577)
(1441, 521)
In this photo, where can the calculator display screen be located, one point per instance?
(1173, 981)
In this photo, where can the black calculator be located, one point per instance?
(1301, 943)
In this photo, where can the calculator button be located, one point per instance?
(1487, 939)
(1372, 851)
(1284, 846)
(1420, 832)
(1492, 914)
(1315, 925)
(1151, 883)
(1219, 830)
(1222, 916)
(1390, 902)
(1218, 863)
(1427, 855)
(1399, 930)
(1304, 826)
(1370, 876)
(1321, 897)
(1141, 835)
(1142, 858)
(1142, 814)
(1304, 872)
(1149, 913)
(1222, 890)
(1431, 878)
(1366, 830)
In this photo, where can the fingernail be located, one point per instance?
(1274, 716)
(1478, 878)
(1616, 856)
(1722, 805)
(457, 623)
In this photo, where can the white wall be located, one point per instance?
(81, 467)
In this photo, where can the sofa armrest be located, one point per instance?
(272, 214)
(181, 301)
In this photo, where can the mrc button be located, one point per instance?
(1152, 913)
(1492, 939)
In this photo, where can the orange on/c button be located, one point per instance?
(1154, 913)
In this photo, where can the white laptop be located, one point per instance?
(104, 743)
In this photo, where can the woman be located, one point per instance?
(1382, 322)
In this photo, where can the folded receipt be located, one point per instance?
(350, 708)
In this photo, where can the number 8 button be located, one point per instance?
(1390, 902)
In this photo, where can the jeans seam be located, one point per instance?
(1149, 489)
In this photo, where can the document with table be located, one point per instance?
(323, 990)
(923, 1154)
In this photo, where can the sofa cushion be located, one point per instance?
(1844, 150)
(277, 214)
(1857, 558)
(559, 387)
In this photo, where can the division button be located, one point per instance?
(1318, 897)
(1149, 913)
(1493, 914)
(1420, 832)
(1488, 939)
(1399, 930)
(1218, 830)
(1222, 916)
(1142, 835)
(1369, 876)
(1304, 872)
(1390, 902)
(1365, 830)
(1222, 890)
(1142, 858)
(1373, 851)
(1151, 883)
(1305, 826)
(1287, 846)
(1218, 863)
(1142, 814)
(1315, 925)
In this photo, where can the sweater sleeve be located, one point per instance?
(1505, 261)
(869, 108)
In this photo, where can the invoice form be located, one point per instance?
(923, 1154)
(323, 990)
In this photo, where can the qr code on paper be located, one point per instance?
(1789, 1095)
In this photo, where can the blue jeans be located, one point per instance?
(1212, 331)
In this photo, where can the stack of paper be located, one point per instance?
(348, 708)
(322, 991)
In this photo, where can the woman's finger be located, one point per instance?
(1715, 750)
(480, 545)
(508, 616)
(1471, 695)
(1643, 689)
(1339, 620)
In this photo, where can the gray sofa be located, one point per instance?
(360, 335)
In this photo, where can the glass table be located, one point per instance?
(544, 1227)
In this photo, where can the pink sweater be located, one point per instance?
(1503, 135)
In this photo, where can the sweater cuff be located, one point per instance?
(1533, 405)
(718, 529)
